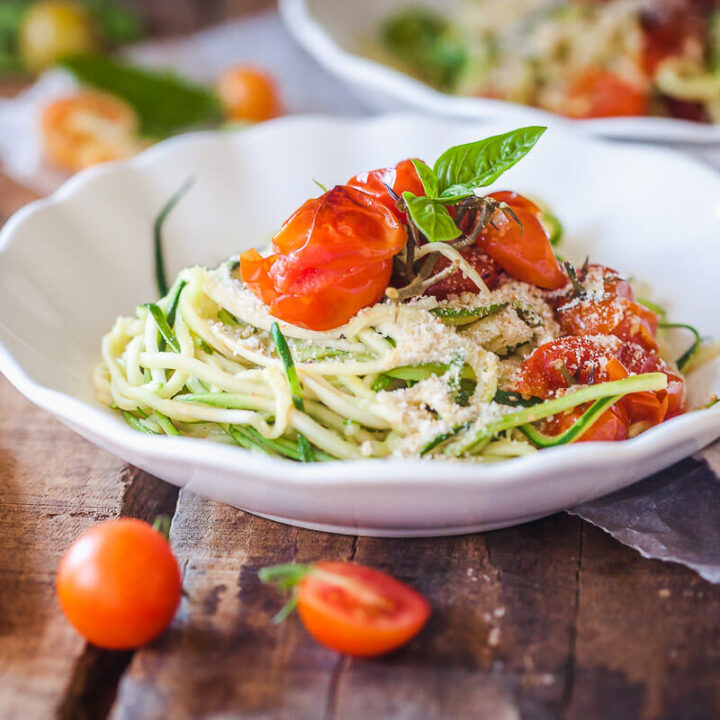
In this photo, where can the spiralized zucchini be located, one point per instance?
(209, 361)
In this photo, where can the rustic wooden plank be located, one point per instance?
(648, 638)
(222, 654)
(498, 642)
(486, 647)
(53, 485)
(184, 16)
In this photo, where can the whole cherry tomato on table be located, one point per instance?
(119, 584)
(332, 258)
(522, 250)
(352, 608)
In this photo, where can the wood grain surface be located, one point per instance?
(553, 619)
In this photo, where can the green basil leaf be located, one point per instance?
(427, 178)
(432, 218)
(463, 168)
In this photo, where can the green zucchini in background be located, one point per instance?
(424, 42)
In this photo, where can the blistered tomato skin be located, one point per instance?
(522, 251)
(332, 258)
(401, 178)
(359, 611)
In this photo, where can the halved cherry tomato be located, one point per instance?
(524, 250)
(401, 178)
(597, 93)
(357, 610)
(333, 257)
(119, 584)
(457, 283)
(248, 94)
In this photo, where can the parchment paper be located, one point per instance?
(672, 516)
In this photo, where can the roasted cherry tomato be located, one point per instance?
(599, 93)
(119, 584)
(567, 361)
(248, 94)
(401, 178)
(617, 316)
(638, 360)
(611, 426)
(590, 276)
(352, 608)
(523, 251)
(457, 283)
(332, 258)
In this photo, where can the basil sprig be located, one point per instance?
(458, 173)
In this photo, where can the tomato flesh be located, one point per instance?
(332, 258)
(119, 584)
(523, 251)
(457, 283)
(358, 610)
(597, 93)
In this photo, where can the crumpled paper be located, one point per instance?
(670, 516)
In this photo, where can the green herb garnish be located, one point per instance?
(290, 371)
(163, 327)
(684, 360)
(160, 270)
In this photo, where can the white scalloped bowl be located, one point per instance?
(337, 34)
(73, 262)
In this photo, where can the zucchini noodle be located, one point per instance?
(405, 380)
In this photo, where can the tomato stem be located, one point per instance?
(162, 525)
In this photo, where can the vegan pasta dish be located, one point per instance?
(406, 313)
(578, 58)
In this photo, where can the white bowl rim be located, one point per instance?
(374, 75)
(109, 426)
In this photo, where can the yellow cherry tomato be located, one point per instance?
(248, 94)
(54, 29)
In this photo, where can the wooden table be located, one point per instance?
(553, 619)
